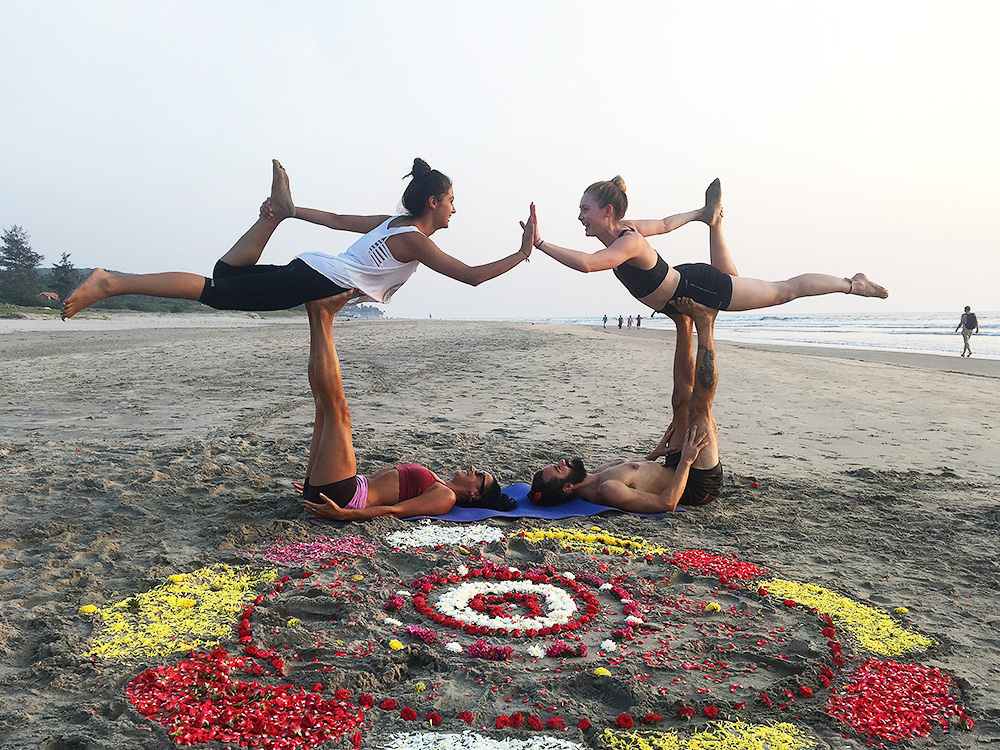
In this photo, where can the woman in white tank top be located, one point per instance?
(376, 265)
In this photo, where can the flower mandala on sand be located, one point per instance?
(191, 610)
(689, 635)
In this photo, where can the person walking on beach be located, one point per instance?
(638, 321)
(605, 321)
(630, 322)
(620, 321)
(692, 473)
(654, 283)
(969, 324)
(377, 265)
(333, 489)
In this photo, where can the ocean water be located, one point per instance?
(929, 333)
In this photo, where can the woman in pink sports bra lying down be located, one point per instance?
(333, 489)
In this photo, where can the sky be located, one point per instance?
(849, 136)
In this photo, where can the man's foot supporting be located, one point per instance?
(330, 306)
(713, 202)
(862, 286)
(694, 310)
(281, 202)
(93, 289)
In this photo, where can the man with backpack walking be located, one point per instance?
(969, 324)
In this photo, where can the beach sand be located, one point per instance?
(139, 447)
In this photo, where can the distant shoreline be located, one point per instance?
(125, 320)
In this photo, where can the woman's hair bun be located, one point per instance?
(618, 182)
(420, 168)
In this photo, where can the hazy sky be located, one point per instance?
(848, 136)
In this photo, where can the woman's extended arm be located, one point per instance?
(342, 222)
(414, 246)
(623, 249)
(649, 227)
(436, 501)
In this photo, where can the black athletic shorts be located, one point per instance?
(259, 288)
(704, 284)
(703, 485)
(341, 493)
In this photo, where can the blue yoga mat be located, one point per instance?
(525, 509)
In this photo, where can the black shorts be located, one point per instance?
(704, 284)
(340, 492)
(259, 288)
(703, 485)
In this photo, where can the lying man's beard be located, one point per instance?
(577, 473)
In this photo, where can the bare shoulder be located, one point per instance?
(615, 491)
(407, 246)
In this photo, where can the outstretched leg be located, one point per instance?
(331, 454)
(178, 285)
(755, 294)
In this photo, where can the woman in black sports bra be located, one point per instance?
(654, 283)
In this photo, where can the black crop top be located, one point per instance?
(641, 282)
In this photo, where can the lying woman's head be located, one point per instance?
(609, 193)
(427, 183)
(480, 489)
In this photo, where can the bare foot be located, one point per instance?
(93, 289)
(331, 305)
(864, 287)
(694, 310)
(281, 195)
(713, 202)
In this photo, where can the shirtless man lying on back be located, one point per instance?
(692, 474)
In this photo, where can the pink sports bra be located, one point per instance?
(414, 480)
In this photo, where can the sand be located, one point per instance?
(139, 447)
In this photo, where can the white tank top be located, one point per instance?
(367, 265)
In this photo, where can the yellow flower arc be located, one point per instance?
(874, 630)
(189, 611)
(596, 542)
(730, 735)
